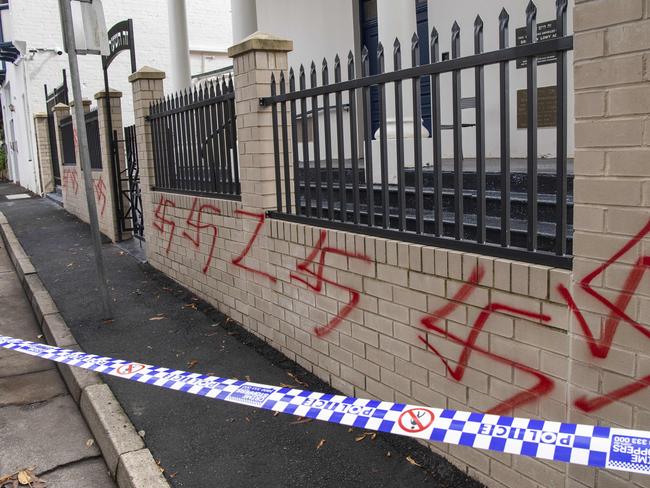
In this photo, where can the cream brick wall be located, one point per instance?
(611, 208)
(73, 186)
(525, 344)
(42, 135)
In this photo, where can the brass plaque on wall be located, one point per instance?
(546, 107)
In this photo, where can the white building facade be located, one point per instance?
(321, 30)
(35, 28)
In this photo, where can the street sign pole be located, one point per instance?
(68, 35)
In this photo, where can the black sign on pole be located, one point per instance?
(545, 31)
(120, 38)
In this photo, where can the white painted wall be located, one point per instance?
(38, 24)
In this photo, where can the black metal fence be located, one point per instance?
(195, 141)
(67, 141)
(497, 213)
(94, 145)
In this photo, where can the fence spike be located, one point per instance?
(337, 69)
(292, 80)
(364, 53)
(531, 10)
(415, 50)
(397, 55)
(380, 56)
(273, 78)
(504, 18)
(312, 69)
(434, 48)
(478, 24)
(350, 66)
(231, 88)
(455, 31)
(325, 72)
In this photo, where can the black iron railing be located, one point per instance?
(195, 141)
(449, 203)
(67, 141)
(94, 146)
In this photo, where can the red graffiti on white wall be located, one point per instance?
(198, 224)
(100, 194)
(161, 220)
(238, 260)
(70, 179)
(435, 322)
(600, 348)
(317, 258)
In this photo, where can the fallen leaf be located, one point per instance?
(320, 444)
(284, 385)
(388, 454)
(192, 363)
(141, 433)
(413, 461)
(233, 333)
(190, 305)
(40, 336)
(373, 436)
(350, 429)
(158, 317)
(302, 383)
(360, 438)
(90, 442)
(25, 477)
(275, 414)
(302, 421)
(248, 378)
(107, 321)
(247, 419)
(173, 475)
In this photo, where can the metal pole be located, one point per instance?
(68, 34)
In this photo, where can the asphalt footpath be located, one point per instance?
(201, 442)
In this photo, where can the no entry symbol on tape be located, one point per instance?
(416, 419)
(130, 368)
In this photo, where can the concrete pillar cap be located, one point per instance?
(147, 73)
(40, 115)
(85, 102)
(260, 41)
(110, 94)
(60, 106)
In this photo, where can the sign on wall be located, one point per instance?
(545, 31)
(546, 107)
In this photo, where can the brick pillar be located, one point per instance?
(110, 217)
(147, 85)
(612, 200)
(61, 111)
(254, 59)
(44, 152)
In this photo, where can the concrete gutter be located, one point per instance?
(128, 459)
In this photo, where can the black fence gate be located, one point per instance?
(130, 197)
(58, 95)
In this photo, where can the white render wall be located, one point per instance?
(37, 23)
(323, 29)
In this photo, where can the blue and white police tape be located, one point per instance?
(600, 447)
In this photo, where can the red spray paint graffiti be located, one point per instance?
(319, 262)
(544, 383)
(198, 225)
(238, 260)
(600, 348)
(100, 194)
(161, 220)
(70, 178)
